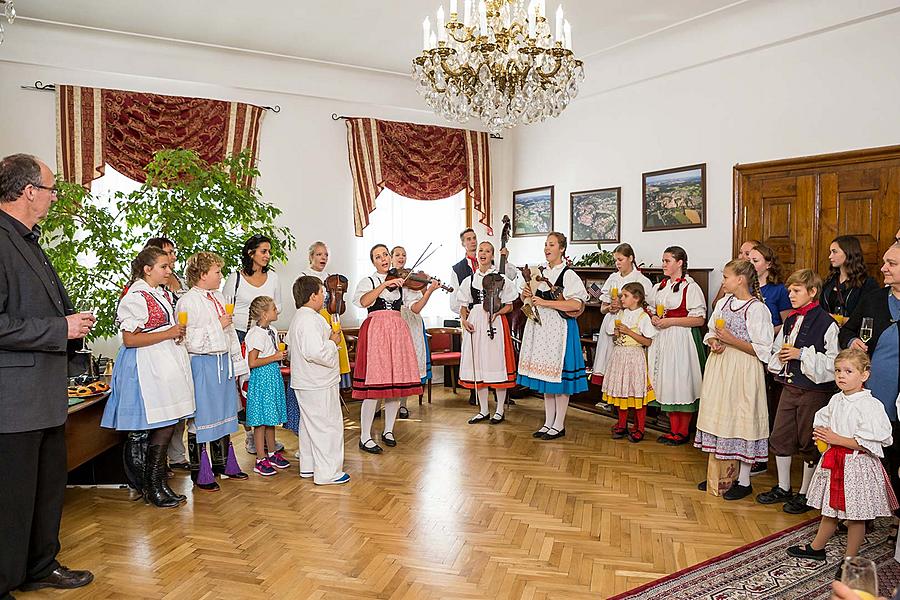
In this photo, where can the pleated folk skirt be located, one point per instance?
(386, 364)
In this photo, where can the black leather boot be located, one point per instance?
(134, 453)
(218, 454)
(165, 481)
(154, 476)
(193, 456)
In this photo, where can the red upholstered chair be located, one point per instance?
(440, 340)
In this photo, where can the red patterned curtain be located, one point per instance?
(423, 162)
(97, 126)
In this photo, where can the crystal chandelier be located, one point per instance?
(497, 62)
(8, 11)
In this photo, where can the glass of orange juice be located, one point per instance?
(282, 346)
(614, 293)
(720, 322)
(182, 317)
(822, 446)
(229, 308)
(660, 310)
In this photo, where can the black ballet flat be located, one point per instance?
(388, 441)
(478, 418)
(552, 436)
(376, 449)
(497, 418)
(540, 432)
(403, 413)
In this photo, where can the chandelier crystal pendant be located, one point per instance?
(7, 11)
(497, 61)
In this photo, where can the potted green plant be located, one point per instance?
(602, 258)
(91, 241)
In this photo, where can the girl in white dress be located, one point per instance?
(675, 357)
(733, 422)
(849, 483)
(487, 360)
(551, 361)
(626, 272)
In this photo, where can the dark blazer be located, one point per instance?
(33, 345)
(831, 303)
(875, 305)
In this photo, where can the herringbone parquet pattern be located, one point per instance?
(454, 511)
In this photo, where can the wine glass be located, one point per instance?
(860, 575)
(660, 310)
(865, 329)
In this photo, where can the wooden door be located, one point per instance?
(798, 206)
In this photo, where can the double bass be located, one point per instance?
(492, 284)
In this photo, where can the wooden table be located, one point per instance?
(85, 439)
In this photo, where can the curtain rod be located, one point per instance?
(39, 86)
(337, 117)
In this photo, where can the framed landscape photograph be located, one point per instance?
(675, 198)
(595, 215)
(532, 212)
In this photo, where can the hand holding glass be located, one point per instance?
(859, 575)
(660, 310)
(865, 329)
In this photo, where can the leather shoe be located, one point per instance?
(60, 578)
(388, 441)
(556, 434)
(374, 449)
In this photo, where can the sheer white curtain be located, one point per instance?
(400, 221)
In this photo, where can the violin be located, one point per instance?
(415, 280)
(336, 286)
(556, 293)
(492, 284)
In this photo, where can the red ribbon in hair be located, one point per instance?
(804, 309)
(833, 460)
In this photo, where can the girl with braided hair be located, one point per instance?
(733, 423)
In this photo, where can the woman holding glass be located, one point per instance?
(873, 327)
(848, 280)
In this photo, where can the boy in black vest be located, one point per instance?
(803, 362)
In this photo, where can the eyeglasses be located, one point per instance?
(52, 190)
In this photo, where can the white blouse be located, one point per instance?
(817, 366)
(133, 313)
(696, 303)
(860, 416)
(314, 357)
(759, 324)
(464, 294)
(259, 338)
(641, 325)
(367, 284)
(618, 281)
(204, 331)
(573, 286)
(247, 293)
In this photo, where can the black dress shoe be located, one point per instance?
(403, 413)
(60, 578)
(737, 491)
(477, 419)
(806, 552)
(540, 432)
(497, 418)
(797, 505)
(775, 495)
(554, 435)
(375, 449)
(388, 441)
(702, 486)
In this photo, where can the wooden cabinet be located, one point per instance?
(798, 206)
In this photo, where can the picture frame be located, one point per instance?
(595, 216)
(532, 212)
(674, 198)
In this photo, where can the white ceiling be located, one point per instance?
(382, 35)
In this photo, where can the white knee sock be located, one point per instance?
(744, 474)
(483, 393)
(549, 410)
(501, 401)
(366, 418)
(562, 404)
(808, 470)
(784, 472)
(391, 406)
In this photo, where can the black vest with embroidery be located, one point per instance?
(812, 333)
(382, 304)
(477, 295)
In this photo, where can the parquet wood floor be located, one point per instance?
(454, 511)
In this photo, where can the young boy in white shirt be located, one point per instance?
(315, 379)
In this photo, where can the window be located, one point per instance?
(413, 224)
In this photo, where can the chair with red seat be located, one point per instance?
(440, 340)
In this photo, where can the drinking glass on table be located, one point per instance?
(859, 574)
(865, 329)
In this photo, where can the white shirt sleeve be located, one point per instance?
(696, 303)
(759, 326)
(573, 287)
(512, 272)
(775, 364)
(410, 297)
(819, 366)
(605, 294)
(204, 333)
(510, 291)
(463, 295)
(455, 303)
(873, 428)
(822, 417)
(364, 286)
(711, 322)
(315, 345)
(132, 313)
(646, 328)
(256, 339)
(276, 289)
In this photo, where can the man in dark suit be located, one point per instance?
(37, 321)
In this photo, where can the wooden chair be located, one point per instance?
(440, 340)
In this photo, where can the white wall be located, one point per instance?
(303, 152)
(831, 90)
